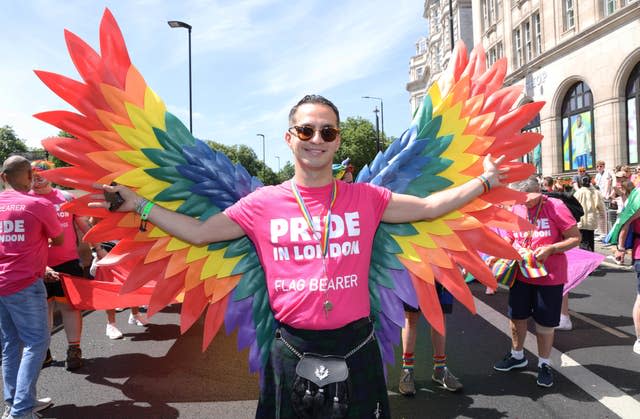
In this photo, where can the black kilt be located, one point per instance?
(368, 397)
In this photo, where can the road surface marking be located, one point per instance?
(599, 325)
(603, 391)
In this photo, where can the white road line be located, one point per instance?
(599, 325)
(603, 391)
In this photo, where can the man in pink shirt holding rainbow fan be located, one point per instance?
(27, 226)
(318, 285)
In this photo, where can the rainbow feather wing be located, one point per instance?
(464, 117)
(123, 133)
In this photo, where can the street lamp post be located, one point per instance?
(178, 24)
(278, 158)
(381, 109)
(377, 129)
(263, 154)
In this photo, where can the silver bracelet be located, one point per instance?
(140, 204)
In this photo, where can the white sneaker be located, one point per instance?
(113, 332)
(565, 323)
(636, 347)
(42, 404)
(138, 319)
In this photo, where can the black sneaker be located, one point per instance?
(545, 376)
(509, 362)
(48, 360)
(74, 358)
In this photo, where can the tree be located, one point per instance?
(358, 142)
(248, 159)
(10, 143)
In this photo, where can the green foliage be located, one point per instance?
(245, 155)
(10, 143)
(359, 142)
(286, 172)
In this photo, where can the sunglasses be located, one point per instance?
(305, 132)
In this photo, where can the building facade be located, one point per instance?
(434, 50)
(583, 59)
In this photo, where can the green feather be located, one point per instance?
(177, 136)
(250, 261)
(427, 184)
(194, 205)
(162, 157)
(165, 174)
(252, 281)
(430, 130)
(403, 229)
(382, 275)
(175, 192)
(239, 247)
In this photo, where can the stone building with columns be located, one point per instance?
(434, 50)
(583, 59)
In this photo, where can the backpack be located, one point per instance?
(570, 201)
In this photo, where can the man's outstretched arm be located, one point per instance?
(216, 228)
(407, 208)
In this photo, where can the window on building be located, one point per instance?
(537, 33)
(527, 40)
(517, 45)
(528, 45)
(608, 7)
(633, 114)
(494, 54)
(419, 73)
(577, 140)
(568, 14)
(491, 12)
(422, 46)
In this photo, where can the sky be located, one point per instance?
(252, 60)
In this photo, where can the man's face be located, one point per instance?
(315, 153)
(39, 182)
(600, 168)
(579, 121)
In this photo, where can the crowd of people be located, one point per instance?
(40, 241)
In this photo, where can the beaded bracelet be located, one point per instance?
(144, 215)
(486, 186)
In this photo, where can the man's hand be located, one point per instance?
(492, 171)
(130, 198)
(542, 253)
(50, 275)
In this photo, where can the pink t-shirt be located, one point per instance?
(26, 224)
(292, 257)
(69, 249)
(554, 219)
(635, 227)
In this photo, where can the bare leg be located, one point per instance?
(636, 315)
(518, 333)
(565, 305)
(545, 343)
(111, 316)
(410, 331)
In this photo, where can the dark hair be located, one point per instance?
(585, 181)
(314, 99)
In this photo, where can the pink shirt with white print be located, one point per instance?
(69, 249)
(292, 257)
(554, 219)
(26, 224)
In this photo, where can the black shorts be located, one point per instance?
(445, 297)
(72, 267)
(542, 302)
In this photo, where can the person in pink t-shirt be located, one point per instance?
(62, 259)
(27, 225)
(316, 270)
(538, 295)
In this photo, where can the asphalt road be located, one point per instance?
(154, 372)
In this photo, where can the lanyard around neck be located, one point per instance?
(324, 238)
